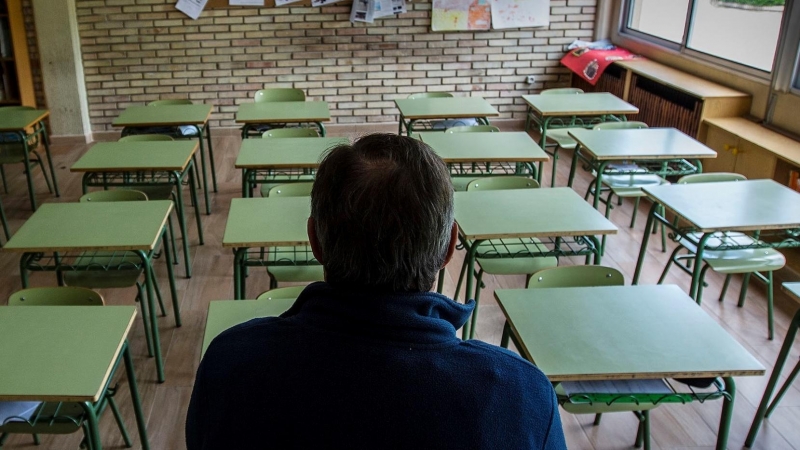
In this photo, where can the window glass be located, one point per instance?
(660, 18)
(742, 31)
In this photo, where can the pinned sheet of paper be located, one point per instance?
(191, 8)
(246, 2)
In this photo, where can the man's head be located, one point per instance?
(382, 214)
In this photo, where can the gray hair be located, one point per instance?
(383, 209)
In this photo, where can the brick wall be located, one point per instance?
(33, 53)
(136, 51)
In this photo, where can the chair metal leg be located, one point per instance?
(743, 291)
(783, 390)
(160, 299)
(4, 222)
(669, 264)
(597, 418)
(770, 298)
(635, 210)
(725, 286)
(118, 417)
(646, 429)
(3, 176)
(699, 298)
(143, 303)
(36, 439)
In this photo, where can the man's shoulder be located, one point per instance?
(499, 358)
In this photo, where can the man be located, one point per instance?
(370, 359)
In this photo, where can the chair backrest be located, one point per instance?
(474, 129)
(115, 195)
(280, 95)
(429, 95)
(630, 125)
(712, 177)
(502, 182)
(290, 133)
(558, 91)
(146, 137)
(170, 101)
(576, 276)
(292, 190)
(279, 293)
(56, 296)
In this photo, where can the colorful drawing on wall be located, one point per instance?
(460, 15)
(520, 13)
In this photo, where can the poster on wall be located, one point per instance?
(520, 13)
(192, 8)
(461, 15)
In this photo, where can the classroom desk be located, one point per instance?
(315, 112)
(765, 408)
(224, 314)
(259, 159)
(572, 110)
(625, 333)
(492, 150)
(67, 354)
(265, 222)
(174, 116)
(564, 223)
(136, 163)
(26, 125)
(67, 230)
(709, 210)
(412, 110)
(669, 148)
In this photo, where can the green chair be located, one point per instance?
(625, 185)
(281, 293)
(58, 417)
(278, 179)
(297, 270)
(460, 182)
(589, 276)
(560, 135)
(274, 95)
(505, 263)
(13, 152)
(755, 261)
(109, 270)
(428, 125)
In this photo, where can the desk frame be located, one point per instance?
(38, 129)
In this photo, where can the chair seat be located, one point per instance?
(282, 179)
(156, 192)
(460, 183)
(511, 265)
(562, 138)
(631, 185)
(736, 261)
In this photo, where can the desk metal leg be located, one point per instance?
(203, 169)
(468, 330)
(238, 273)
(211, 158)
(321, 127)
(49, 158)
(645, 239)
(400, 126)
(93, 427)
(137, 403)
(193, 195)
(698, 266)
(28, 172)
(727, 414)
(598, 184)
(764, 408)
(182, 218)
(245, 183)
(171, 274)
(148, 277)
(574, 165)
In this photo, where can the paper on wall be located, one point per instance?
(191, 8)
(246, 2)
(284, 2)
(385, 8)
(362, 11)
(323, 2)
(520, 13)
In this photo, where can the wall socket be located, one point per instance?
(531, 79)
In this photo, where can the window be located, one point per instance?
(743, 32)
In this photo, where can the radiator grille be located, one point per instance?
(663, 106)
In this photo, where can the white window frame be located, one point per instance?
(725, 64)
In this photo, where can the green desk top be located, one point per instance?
(166, 115)
(589, 104)
(480, 147)
(283, 153)
(60, 353)
(621, 332)
(793, 289)
(445, 108)
(136, 155)
(646, 143)
(224, 314)
(113, 226)
(17, 120)
(267, 222)
(279, 112)
(519, 213)
(731, 206)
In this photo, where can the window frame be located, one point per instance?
(682, 48)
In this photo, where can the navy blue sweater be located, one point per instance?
(367, 371)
